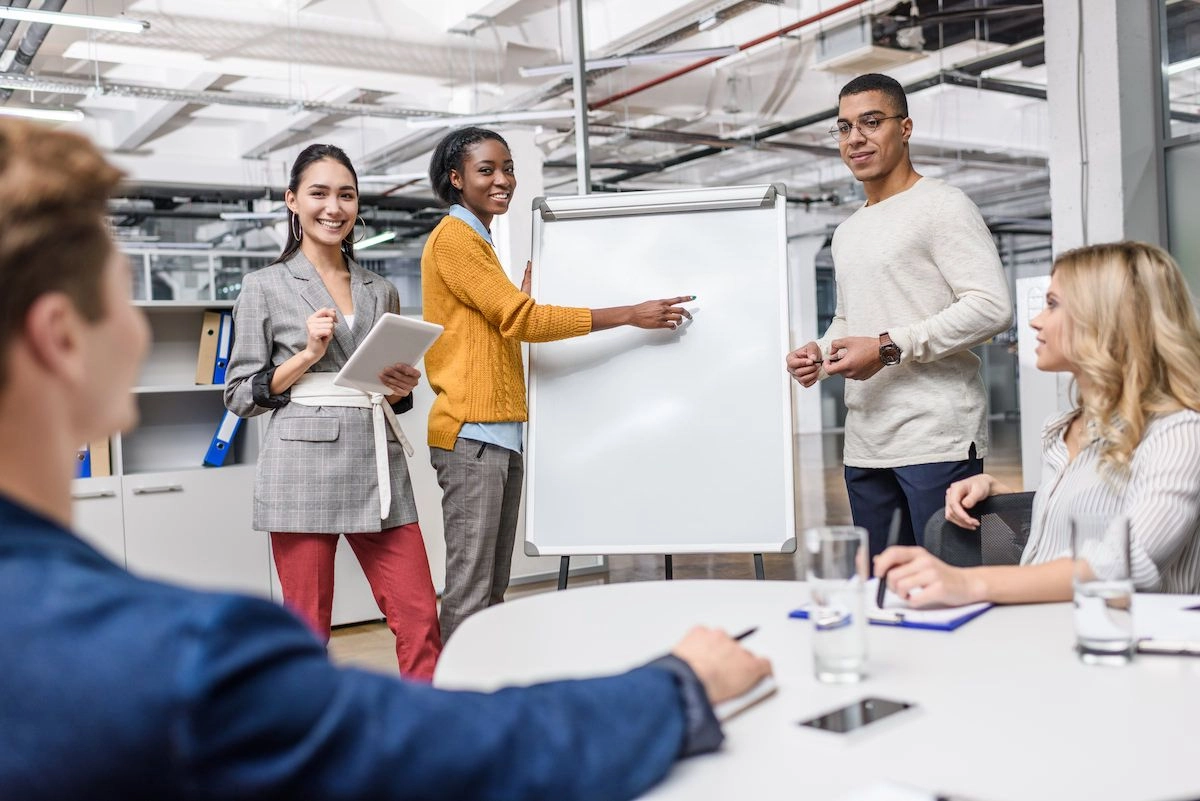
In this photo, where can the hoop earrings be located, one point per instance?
(364, 233)
(297, 231)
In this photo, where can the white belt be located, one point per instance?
(318, 389)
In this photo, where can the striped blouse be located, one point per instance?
(1160, 494)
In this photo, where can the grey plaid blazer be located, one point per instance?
(316, 468)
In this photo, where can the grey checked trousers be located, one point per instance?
(481, 494)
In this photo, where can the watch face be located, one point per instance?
(889, 354)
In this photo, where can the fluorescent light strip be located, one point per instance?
(253, 215)
(51, 114)
(633, 58)
(499, 116)
(118, 24)
(397, 178)
(1183, 66)
(378, 239)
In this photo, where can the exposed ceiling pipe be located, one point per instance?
(705, 62)
(969, 68)
(34, 36)
(10, 25)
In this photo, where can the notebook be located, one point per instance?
(765, 688)
(1167, 624)
(897, 612)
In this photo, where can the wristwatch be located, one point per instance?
(889, 351)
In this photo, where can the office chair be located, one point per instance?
(1003, 528)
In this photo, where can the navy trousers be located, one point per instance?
(918, 490)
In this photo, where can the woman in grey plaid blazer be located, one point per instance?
(296, 323)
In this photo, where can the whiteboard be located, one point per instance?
(663, 441)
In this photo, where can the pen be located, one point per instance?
(893, 538)
(745, 633)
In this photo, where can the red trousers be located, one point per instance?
(397, 569)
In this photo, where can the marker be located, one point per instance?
(893, 539)
(745, 633)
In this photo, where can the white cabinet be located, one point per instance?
(193, 527)
(98, 515)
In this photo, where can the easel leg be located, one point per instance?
(564, 564)
(669, 567)
(758, 567)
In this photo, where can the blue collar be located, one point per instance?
(464, 214)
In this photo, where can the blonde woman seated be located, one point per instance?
(1119, 318)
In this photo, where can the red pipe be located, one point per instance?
(705, 62)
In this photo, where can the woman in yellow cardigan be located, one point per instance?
(475, 366)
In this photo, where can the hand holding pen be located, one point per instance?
(892, 540)
(804, 364)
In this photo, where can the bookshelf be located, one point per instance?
(162, 513)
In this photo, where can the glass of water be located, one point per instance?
(1103, 589)
(837, 572)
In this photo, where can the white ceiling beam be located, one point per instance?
(132, 129)
(259, 140)
(283, 72)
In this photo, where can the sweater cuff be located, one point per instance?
(702, 731)
(260, 391)
(403, 405)
(903, 339)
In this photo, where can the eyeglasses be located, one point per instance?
(866, 126)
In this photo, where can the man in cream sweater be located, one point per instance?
(919, 282)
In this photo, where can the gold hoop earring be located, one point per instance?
(297, 231)
(364, 233)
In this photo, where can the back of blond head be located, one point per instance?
(1133, 336)
(53, 236)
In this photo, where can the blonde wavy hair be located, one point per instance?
(1133, 335)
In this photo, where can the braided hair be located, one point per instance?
(449, 155)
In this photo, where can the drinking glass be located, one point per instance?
(837, 568)
(1103, 584)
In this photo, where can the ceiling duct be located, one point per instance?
(35, 34)
(853, 48)
(9, 26)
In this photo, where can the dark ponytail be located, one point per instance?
(309, 156)
(449, 154)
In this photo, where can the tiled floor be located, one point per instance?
(822, 500)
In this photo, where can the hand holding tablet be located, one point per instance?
(394, 340)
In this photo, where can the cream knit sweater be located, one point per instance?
(922, 266)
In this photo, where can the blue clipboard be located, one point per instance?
(908, 619)
(929, 619)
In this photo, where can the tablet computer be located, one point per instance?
(393, 339)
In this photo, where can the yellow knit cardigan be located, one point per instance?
(475, 366)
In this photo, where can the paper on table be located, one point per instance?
(727, 709)
(885, 790)
(896, 609)
(1167, 624)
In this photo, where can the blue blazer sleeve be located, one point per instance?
(265, 715)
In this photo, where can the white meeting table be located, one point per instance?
(1004, 709)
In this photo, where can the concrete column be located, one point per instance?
(1104, 86)
(1106, 178)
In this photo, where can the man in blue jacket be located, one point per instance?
(115, 687)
